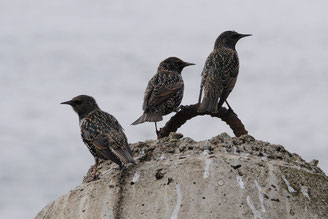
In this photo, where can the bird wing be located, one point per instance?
(228, 78)
(211, 67)
(105, 145)
(87, 139)
(206, 69)
(149, 91)
(165, 88)
(106, 139)
(117, 143)
(112, 121)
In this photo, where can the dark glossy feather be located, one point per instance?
(220, 72)
(218, 78)
(105, 138)
(163, 95)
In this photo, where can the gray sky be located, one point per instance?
(51, 51)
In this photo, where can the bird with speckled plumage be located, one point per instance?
(101, 132)
(220, 72)
(164, 91)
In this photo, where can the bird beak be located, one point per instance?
(187, 64)
(68, 103)
(244, 35)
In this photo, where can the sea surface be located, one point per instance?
(51, 51)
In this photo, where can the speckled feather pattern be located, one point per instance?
(103, 135)
(164, 92)
(220, 73)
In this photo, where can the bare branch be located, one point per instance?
(190, 111)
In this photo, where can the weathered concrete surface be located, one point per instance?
(223, 177)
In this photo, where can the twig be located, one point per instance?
(190, 111)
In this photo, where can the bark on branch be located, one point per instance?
(190, 111)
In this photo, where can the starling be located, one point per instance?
(164, 91)
(220, 72)
(101, 132)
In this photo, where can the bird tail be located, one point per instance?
(149, 117)
(124, 156)
(208, 105)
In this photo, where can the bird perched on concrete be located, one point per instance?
(220, 72)
(101, 132)
(164, 91)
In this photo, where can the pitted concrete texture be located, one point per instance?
(224, 177)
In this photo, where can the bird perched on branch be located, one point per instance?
(164, 91)
(220, 72)
(101, 132)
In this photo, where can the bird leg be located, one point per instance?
(95, 168)
(200, 94)
(157, 132)
(230, 109)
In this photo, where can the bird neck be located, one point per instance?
(219, 44)
(164, 70)
(225, 49)
(86, 113)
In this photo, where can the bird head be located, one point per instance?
(229, 39)
(173, 64)
(82, 105)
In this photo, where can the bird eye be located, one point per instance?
(77, 102)
(235, 36)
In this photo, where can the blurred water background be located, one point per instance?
(51, 51)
